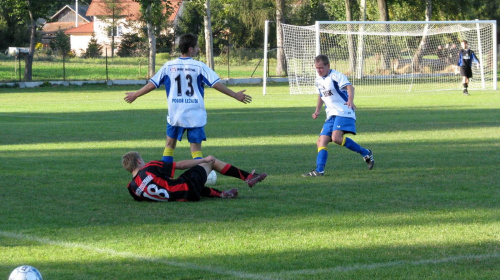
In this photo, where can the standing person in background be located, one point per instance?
(465, 59)
(184, 79)
(337, 94)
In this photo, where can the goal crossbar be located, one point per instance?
(394, 55)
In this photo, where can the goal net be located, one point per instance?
(392, 56)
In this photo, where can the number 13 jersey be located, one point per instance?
(184, 79)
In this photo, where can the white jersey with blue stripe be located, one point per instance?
(184, 79)
(333, 92)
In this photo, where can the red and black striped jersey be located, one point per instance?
(154, 182)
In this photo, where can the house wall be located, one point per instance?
(79, 43)
(101, 27)
(66, 16)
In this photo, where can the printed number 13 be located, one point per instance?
(189, 80)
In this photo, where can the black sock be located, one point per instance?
(232, 171)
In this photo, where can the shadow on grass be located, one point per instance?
(32, 128)
(477, 260)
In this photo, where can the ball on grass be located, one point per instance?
(211, 179)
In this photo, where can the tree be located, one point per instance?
(280, 57)
(417, 58)
(361, 42)
(114, 10)
(61, 43)
(154, 13)
(309, 12)
(132, 45)
(350, 38)
(384, 16)
(209, 48)
(28, 11)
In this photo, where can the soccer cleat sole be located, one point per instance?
(232, 193)
(255, 178)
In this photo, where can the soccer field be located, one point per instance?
(430, 208)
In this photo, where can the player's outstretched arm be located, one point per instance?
(132, 96)
(240, 95)
(185, 164)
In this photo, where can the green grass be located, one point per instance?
(430, 209)
(79, 69)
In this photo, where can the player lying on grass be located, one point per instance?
(154, 181)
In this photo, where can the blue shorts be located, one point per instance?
(194, 135)
(348, 125)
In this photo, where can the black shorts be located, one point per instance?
(195, 177)
(466, 71)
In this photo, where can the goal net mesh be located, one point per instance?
(390, 57)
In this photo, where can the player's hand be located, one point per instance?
(350, 104)
(130, 97)
(209, 159)
(315, 115)
(242, 97)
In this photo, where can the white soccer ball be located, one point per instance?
(25, 272)
(211, 179)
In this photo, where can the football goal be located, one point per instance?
(392, 56)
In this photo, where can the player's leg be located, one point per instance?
(322, 143)
(195, 178)
(466, 86)
(466, 72)
(322, 156)
(348, 125)
(168, 152)
(227, 169)
(195, 137)
(196, 150)
(211, 192)
(174, 133)
(347, 142)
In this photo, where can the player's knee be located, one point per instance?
(338, 140)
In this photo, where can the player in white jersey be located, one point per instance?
(184, 79)
(337, 94)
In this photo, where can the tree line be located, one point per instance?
(240, 23)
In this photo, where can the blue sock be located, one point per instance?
(321, 159)
(168, 159)
(353, 146)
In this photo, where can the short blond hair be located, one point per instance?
(130, 161)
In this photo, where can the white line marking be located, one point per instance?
(245, 275)
(389, 264)
(129, 255)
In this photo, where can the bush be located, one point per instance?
(163, 56)
(132, 45)
(61, 43)
(164, 43)
(94, 50)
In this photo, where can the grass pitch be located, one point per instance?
(430, 208)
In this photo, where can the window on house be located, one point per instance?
(117, 31)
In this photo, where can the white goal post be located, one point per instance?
(392, 56)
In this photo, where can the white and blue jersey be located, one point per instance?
(184, 80)
(333, 92)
